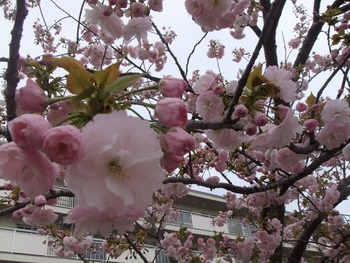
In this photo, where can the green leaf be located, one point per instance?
(78, 80)
(310, 101)
(267, 90)
(123, 82)
(254, 77)
(84, 94)
(106, 76)
(68, 63)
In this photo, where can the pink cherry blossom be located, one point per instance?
(61, 144)
(346, 152)
(172, 87)
(110, 25)
(31, 98)
(31, 171)
(40, 218)
(224, 139)
(28, 131)
(171, 112)
(137, 27)
(287, 130)
(286, 160)
(336, 113)
(332, 136)
(92, 220)
(283, 79)
(204, 83)
(210, 106)
(117, 170)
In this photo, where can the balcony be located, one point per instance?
(202, 224)
(19, 244)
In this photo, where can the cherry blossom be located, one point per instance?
(111, 24)
(31, 171)
(125, 169)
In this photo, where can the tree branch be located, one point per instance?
(52, 195)
(275, 11)
(11, 75)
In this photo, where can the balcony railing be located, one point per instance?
(25, 242)
(203, 223)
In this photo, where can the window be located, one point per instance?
(235, 228)
(249, 230)
(98, 252)
(161, 257)
(238, 229)
(26, 229)
(184, 219)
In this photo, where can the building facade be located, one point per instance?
(21, 243)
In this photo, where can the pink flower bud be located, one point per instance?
(172, 87)
(137, 9)
(62, 143)
(156, 5)
(40, 201)
(28, 131)
(107, 11)
(260, 119)
(171, 161)
(31, 98)
(250, 129)
(171, 112)
(241, 111)
(282, 110)
(178, 141)
(311, 125)
(301, 107)
(56, 115)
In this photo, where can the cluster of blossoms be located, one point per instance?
(68, 246)
(211, 15)
(171, 111)
(115, 175)
(216, 49)
(113, 164)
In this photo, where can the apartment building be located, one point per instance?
(21, 243)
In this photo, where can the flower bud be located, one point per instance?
(172, 87)
(178, 141)
(62, 144)
(310, 125)
(31, 98)
(171, 112)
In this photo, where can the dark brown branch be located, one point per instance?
(270, 45)
(136, 249)
(275, 10)
(205, 125)
(182, 72)
(283, 184)
(11, 75)
(313, 33)
(52, 195)
(2, 59)
(335, 72)
(300, 247)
